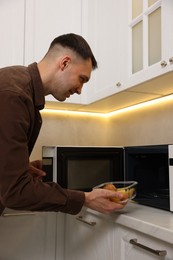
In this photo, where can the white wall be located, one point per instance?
(71, 130)
(149, 125)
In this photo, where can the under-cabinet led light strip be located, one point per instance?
(109, 114)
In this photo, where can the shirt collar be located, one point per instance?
(37, 84)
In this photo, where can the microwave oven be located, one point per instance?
(152, 167)
(82, 167)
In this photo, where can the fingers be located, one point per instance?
(110, 194)
(39, 172)
(37, 164)
(114, 194)
(109, 206)
(101, 200)
(36, 172)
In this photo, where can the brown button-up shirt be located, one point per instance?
(21, 98)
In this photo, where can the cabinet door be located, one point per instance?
(150, 42)
(89, 237)
(59, 245)
(135, 245)
(107, 35)
(12, 22)
(27, 235)
(45, 20)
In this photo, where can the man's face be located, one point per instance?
(71, 78)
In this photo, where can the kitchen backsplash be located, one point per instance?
(149, 125)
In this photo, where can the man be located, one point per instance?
(62, 72)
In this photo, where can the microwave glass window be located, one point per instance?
(87, 173)
(151, 171)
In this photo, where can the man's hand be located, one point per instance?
(35, 169)
(99, 200)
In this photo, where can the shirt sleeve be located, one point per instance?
(19, 190)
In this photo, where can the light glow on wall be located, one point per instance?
(112, 113)
(71, 112)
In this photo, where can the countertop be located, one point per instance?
(151, 221)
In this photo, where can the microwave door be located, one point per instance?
(171, 176)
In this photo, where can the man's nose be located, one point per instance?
(79, 90)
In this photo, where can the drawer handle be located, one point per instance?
(156, 252)
(163, 63)
(90, 223)
(18, 214)
(171, 60)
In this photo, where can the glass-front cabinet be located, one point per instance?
(150, 40)
(150, 44)
(145, 33)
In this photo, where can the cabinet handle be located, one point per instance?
(18, 214)
(118, 84)
(163, 63)
(90, 223)
(156, 252)
(171, 60)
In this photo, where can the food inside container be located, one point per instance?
(127, 188)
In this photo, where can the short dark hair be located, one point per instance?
(76, 43)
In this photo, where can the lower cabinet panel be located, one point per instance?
(27, 236)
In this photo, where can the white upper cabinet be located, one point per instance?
(107, 35)
(45, 20)
(150, 43)
(12, 15)
(131, 40)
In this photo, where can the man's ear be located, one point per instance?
(65, 62)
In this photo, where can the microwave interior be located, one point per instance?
(149, 166)
(82, 168)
